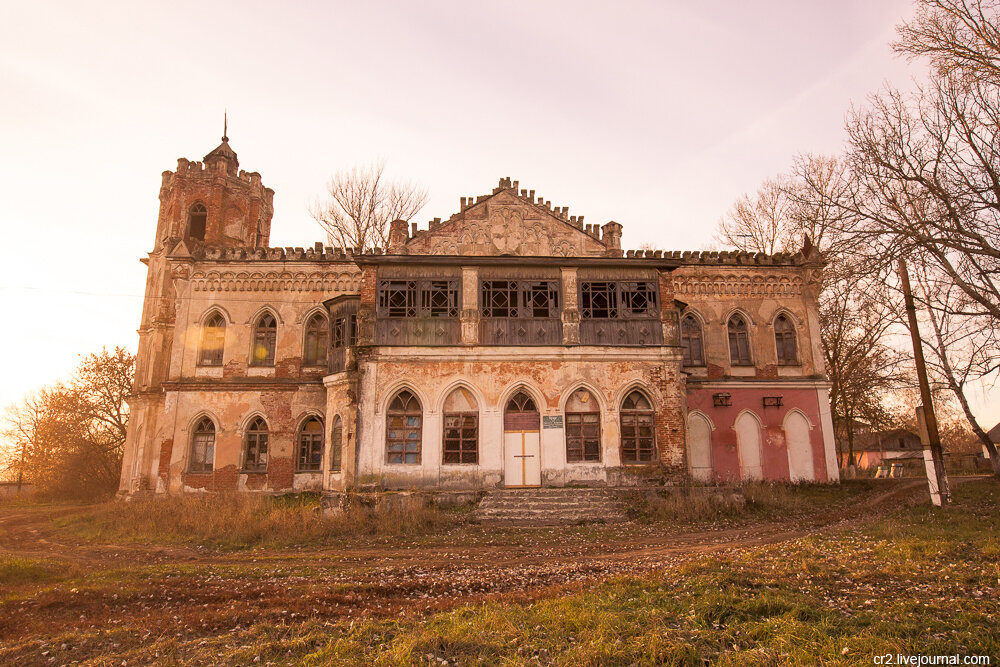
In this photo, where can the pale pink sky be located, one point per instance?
(654, 114)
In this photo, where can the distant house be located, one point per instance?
(994, 434)
(893, 446)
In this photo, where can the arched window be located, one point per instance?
(265, 333)
(213, 340)
(638, 439)
(203, 446)
(316, 339)
(461, 427)
(583, 427)
(197, 220)
(739, 342)
(255, 447)
(310, 456)
(521, 413)
(403, 426)
(784, 340)
(694, 354)
(337, 445)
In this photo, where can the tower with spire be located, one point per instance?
(213, 203)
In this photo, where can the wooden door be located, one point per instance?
(522, 459)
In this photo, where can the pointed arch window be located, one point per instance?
(255, 446)
(583, 427)
(203, 446)
(213, 340)
(265, 334)
(521, 413)
(310, 454)
(461, 427)
(691, 341)
(337, 445)
(638, 437)
(197, 221)
(784, 340)
(739, 341)
(403, 429)
(316, 336)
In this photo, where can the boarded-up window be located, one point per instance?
(265, 335)
(315, 341)
(337, 445)
(213, 340)
(739, 342)
(203, 446)
(638, 439)
(403, 429)
(784, 340)
(310, 456)
(691, 342)
(255, 447)
(521, 413)
(583, 427)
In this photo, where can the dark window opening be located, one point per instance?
(784, 340)
(403, 429)
(255, 447)
(418, 298)
(461, 437)
(439, 299)
(739, 342)
(336, 445)
(600, 300)
(691, 342)
(499, 298)
(197, 221)
(398, 298)
(638, 300)
(310, 456)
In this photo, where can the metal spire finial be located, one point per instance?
(225, 125)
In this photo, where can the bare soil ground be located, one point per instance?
(81, 601)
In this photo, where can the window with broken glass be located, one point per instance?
(520, 312)
(255, 447)
(417, 312)
(619, 312)
(310, 455)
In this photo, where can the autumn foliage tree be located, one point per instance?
(68, 440)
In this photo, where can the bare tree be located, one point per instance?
(963, 349)
(760, 222)
(955, 35)
(360, 205)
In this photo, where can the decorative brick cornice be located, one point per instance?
(326, 282)
(734, 285)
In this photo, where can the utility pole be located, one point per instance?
(937, 478)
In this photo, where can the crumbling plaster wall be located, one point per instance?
(550, 375)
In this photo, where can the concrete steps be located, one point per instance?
(548, 506)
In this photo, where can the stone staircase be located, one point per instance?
(548, 506)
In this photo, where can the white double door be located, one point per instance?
(522, 459)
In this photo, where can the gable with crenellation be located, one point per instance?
(508, 223)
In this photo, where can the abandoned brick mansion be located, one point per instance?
(509, 345)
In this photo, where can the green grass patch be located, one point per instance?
(19, 571)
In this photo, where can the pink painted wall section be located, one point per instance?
(774, 454)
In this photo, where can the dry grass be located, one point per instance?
(752, 500)
(240, 521)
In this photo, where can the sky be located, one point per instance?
(655, 114)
